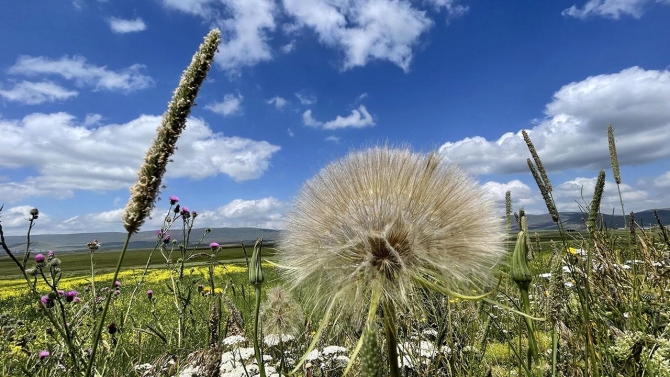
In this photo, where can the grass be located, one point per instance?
(105, 261)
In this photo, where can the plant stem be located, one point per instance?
(391, 338)
(257, 350)
(101, 322)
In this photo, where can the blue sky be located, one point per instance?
(299, 83)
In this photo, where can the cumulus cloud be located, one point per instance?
(663, 181)
(17, 218)
(574, 132)
(522, 195)
(231, 105)
(305, 99)
(83, 73)
(261, 213)
(69, 156)
(453, 9)
(613, 9)
(359, 118)
(122, 26)
(34, 93)
(308, 120)
(245, 34)
(195, 7)
(364, 30)
(278, 102)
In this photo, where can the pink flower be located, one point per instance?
(173, 200)
(39, 258)
(117, 284)
(214, 245)
(50, 254)
(43, 354)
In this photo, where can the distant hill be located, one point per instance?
(141, 240)
(577, 220)
(147, 239)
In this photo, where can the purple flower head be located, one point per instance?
(70, 296)
(43, 354)
(166, 239)
(39, 258)
(185, 212)
(159, 233)
(117, 284)
(50, 254)
(150, 294)
(61, 292)
(117, 292)
(195, 214)
(214, 245)
(47, 302)
(173, 200)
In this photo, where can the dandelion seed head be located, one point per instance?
(381, 217)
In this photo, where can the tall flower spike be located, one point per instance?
(613, 156)
(594, 208)
(508, 210)
(543, 190)
(538, 162)
(143, 194)
(388, 219)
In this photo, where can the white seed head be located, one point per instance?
(381, 217)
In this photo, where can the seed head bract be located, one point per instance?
(384, 218)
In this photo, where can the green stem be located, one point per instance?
(257, 349)
(391, 338)
(101, 322)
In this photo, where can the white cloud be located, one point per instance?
(305, 99)
(568, 196)
(122, 26)
(359, 118)
(663, 181)
(33, 93)
(262, 213)
(364, 30)
(287, 48)
(574, 132)
(453, 10)
(307, 119)
(277, 101)
(289, 132)
(76, 68)
(333, 139)
(69, 156)
(231, 105)
(195, 7)
(612, 9)
(16, 218)
(521, 194)
(245, 34)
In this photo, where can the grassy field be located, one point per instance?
(80, 263)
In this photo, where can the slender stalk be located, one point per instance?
(101, 322)
(391, 338)
(257, 349)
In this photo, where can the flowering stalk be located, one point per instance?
(256, 278)
(146, 189)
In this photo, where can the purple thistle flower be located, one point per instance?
(43, 354)
(159, 233)
(173, 200)
(61, 292)
(70, 296)
(50, 254)
(39, 258)
(166, 239)
(214, 245)
(150, 294)
(185, 212)
(47, 302)
(117, 284)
